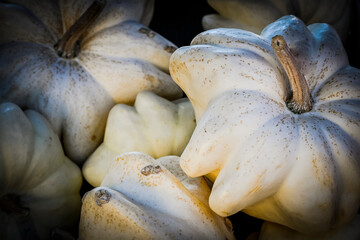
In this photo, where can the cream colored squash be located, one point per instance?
(255, 15)
(278, 133)
(74, 70)
(39, 185)
(144, 198)
(154, 126)
(350, 231)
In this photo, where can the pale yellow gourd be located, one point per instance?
(39, 185)
(154, 125)
(255, 15)
(278, 133)
(144, 198)
(72, 61)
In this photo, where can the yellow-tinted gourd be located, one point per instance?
(154, 125)
(144, 198)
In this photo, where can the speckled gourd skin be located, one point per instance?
(154, 125)
(34, 168)
(298, 170)
(255, 15)
(119, 57)
(134, 204)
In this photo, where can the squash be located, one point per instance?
(144, 198)
(277, 130)
(73, 60)
(350, 231)
(254, 15)
(39, 185)
(154, 126)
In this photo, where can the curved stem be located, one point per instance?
(301, 100)
(69, 45)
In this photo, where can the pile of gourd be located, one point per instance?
(109, 131)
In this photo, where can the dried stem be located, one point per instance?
(69, 45)
(301, 100)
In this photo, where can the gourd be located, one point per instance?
(350, 231)
(144, 198)
(277, 123)
(73, 60)
(154, 126)
(255, 15)
(40, 186)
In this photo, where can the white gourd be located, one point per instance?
(74, 70)
(301, 168)
(39, 185)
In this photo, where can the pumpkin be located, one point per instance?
(350, 231)
(74, 60)
(254, 15)
(277, 123)
(144, 198)
(39, 185)
(154, 126)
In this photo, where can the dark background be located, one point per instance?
(180, 22)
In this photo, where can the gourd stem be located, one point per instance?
(301, 99)
(69, 45)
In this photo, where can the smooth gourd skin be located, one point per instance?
(164, 204)
(119, 56)
(255, 15)
(154, 125)
(34, 168)
(298, 170)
